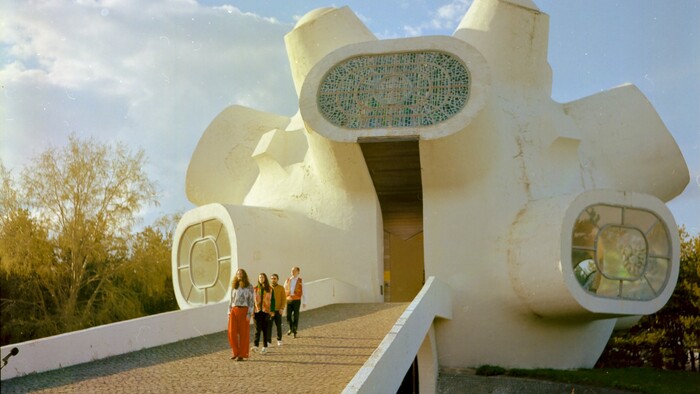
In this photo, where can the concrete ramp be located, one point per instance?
(333, 343)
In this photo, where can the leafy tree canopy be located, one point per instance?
(69, 258)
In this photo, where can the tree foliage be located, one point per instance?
(670, 338)
(149, 272)
(69, 258)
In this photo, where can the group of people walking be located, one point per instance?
(266, 302)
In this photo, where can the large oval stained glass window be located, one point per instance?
(394, 90)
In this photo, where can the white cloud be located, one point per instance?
(152, 75)
(446, 17)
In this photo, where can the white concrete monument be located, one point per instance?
(447, 157)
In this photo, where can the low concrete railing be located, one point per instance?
(100, 342)
(322, 292)
(413, 332)
(108, 340)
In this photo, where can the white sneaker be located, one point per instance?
(255, 349)
(263, 350)
(279, 343)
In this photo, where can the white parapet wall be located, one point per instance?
(109, 340)
(412, 336)
(329, 291)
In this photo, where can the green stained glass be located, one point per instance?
(395, 90)
(621, 252)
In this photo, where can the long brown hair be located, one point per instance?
(266, 285)
(243, 282)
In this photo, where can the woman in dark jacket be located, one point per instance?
(263, 298)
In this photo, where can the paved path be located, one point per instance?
(332, 344)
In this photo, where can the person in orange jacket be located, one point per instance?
(263, 298)
(294, 289)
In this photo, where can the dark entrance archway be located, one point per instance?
(396, 173)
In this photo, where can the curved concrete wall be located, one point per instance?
(494, 188)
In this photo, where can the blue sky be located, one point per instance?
(153, 74)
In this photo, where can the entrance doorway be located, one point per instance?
(396, 173)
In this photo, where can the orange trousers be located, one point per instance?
(239, 331)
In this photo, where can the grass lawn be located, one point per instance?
(642, 380)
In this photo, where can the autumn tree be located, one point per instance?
(65, 234)
(149, 272)
(688, 289)
(24, 249)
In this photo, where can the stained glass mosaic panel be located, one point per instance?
(395, 90)
(621, 252)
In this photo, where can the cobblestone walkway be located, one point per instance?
(332, 344)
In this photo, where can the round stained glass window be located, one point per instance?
(620, 252)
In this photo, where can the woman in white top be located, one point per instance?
(240, 308)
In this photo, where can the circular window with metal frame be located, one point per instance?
(621, 253)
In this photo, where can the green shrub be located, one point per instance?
(490, 370)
